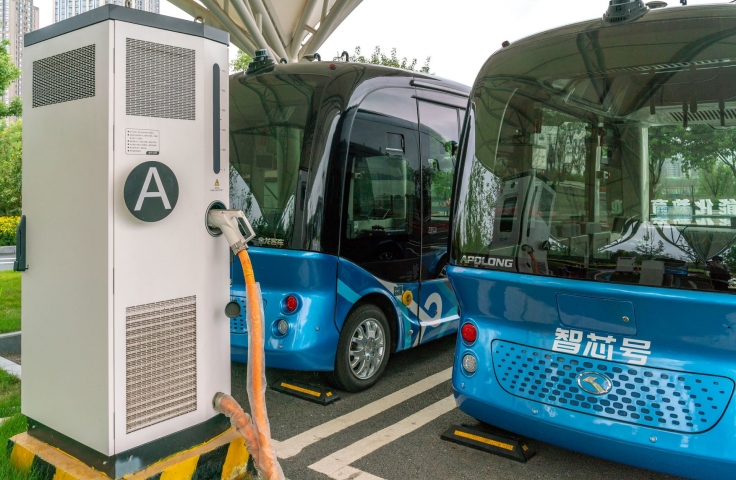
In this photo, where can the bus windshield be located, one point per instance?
(606, 159)
(270, 125)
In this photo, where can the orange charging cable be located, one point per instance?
(269, 465)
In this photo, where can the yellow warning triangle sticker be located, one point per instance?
(217, 183)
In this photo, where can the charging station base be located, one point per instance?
(223, 457)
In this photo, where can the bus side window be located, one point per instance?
(381, 224)
(439, 133)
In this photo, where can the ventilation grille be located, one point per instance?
(704, 115)
(64, 77)
(239, 324)
(161, 361)
(651, 397)
(159, 80)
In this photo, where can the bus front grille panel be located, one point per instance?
(665, 399)
(64, 77)
(160, 361)
(159, 80)
(238, 324)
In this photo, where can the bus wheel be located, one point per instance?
(363, 351)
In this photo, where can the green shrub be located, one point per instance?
(8, 225)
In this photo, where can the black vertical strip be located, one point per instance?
(209, 464)
(216, 118)
(42, 470)
(20, 264)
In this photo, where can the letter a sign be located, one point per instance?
(151, 191)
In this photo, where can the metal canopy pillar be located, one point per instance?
(289, 29)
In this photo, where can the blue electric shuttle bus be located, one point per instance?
(346, 173)
(594, 239)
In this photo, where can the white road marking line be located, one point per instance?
(350, 473)
(337, 465)
(294, 445)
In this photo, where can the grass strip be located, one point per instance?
(14, 423)
(9, 301)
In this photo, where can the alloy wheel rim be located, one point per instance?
(367, 349)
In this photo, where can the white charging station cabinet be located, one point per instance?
(125, 340)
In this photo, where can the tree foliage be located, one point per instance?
(240, 64)
(11, 156)
(379, 58)
(705, 152)
(8, 74)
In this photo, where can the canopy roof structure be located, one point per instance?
(289, 29)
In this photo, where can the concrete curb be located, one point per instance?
(7, 250)
(10, 367)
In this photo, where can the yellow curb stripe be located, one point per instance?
(21, 458)
(487, 441)
(181, 471)
(62, 475)
(236, 461)
(300, 389)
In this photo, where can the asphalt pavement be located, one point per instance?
(392, 431)
(6, 262)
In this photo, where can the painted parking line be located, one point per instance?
(337, 466)
(294, 445)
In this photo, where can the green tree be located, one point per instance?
(11, 155)
(240, 64)
(379, 58)
(715, 180)
(664, 143)
(8, 73)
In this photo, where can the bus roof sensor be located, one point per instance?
(620, 11)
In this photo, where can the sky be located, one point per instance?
(458, 35)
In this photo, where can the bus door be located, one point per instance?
(381, 234)
(439, 133)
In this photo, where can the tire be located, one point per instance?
(441, 268)
(353, 371)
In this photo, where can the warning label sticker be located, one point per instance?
(141, 142)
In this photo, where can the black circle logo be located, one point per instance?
(151, 191)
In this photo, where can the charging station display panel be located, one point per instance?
(574, 174)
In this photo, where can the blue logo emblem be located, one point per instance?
(594, 383)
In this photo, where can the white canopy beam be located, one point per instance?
(246, 16)
(326, 27)
(280, 26)
(269, 29)
(235, 32)
(300, 32)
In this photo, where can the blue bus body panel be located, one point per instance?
(327, 289)
(311, 341)
(663, 371)
(434, 318)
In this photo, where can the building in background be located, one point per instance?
(64, 9)
(19, 18)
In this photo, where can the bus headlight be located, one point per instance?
(470, 364)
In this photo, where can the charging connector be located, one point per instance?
(234, 225)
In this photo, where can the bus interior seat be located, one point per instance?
(579, 245)
(625, 264)
(570, 230)
(652, 273)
